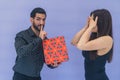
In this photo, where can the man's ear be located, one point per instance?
(31, 20)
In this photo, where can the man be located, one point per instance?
(29, 49)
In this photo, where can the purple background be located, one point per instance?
(64, 17)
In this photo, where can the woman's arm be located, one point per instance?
(96, 44)
(78, 35)
(100, 43)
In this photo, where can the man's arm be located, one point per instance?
(24, 49)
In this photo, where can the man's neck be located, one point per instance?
(35, 31)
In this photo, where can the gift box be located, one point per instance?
(55, 50)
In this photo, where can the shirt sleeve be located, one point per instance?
(25, 49)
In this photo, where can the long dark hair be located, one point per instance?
(104, 25)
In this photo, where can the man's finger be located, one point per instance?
(41, 28)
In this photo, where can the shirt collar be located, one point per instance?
(31, 32)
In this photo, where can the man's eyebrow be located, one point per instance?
(37, 17)
(40, 18)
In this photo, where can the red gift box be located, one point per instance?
(55, 50)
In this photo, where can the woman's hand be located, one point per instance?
(93, 23)
(87, 23)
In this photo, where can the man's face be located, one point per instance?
(38, 21)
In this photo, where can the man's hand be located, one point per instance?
(54, 65)
(42, 34)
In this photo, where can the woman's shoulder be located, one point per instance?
(107, 38)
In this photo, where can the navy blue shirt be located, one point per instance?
(95, 69)
(30, 57)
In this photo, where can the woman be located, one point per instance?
(96, 42)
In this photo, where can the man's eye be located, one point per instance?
(43, 19)
(38, 19)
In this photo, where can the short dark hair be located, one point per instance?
(37, 10)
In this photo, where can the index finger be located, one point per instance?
(41, 29)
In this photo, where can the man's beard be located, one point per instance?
(36, 27)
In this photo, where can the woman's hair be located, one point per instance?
(104, 25)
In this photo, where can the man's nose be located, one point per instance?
(41, 22)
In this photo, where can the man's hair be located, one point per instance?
(37, 10)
